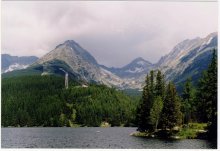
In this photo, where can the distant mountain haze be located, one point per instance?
(187, 59)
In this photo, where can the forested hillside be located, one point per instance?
(43, 101)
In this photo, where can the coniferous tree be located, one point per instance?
(159, 99)
(156, 111)
(171, 114)
(207, 96)
(212, 72)
(160, 85)
(201, 110)
(149, 110)
(152, 90)
(188, 101)
(144, 108)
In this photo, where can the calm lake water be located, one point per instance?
(96, 137)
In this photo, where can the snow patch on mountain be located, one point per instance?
(141, 62)
(15, 66)
(136, 70)
(210, 39)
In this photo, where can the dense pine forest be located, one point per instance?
(43, 101)
(162, 111)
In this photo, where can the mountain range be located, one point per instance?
(187, 59)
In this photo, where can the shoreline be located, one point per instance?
(198, 135)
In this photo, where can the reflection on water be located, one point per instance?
(115, 137)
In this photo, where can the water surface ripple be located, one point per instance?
(87, 137)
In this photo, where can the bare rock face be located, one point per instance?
(80, 61)
(188, 58)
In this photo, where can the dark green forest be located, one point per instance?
(43, 101)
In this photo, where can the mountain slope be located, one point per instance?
(79, 60)
(10, 63)
(188, 58)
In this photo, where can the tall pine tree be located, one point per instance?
(160, 85)
(201, 96)
(171, 114)
(143, 115)
(151, 104)
(156, 111)
(207, 96)
(158, 99)
(188, 102)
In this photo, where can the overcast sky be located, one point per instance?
(113, 32)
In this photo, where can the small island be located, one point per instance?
(189, 131)
(163, 113)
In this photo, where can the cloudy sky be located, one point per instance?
(113, 32)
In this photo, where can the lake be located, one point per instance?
(87, 137)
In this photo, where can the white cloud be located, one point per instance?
(114, 32)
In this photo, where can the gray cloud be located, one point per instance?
(113, 32)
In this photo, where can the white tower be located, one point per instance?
(66, 78)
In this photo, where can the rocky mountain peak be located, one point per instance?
(71, 43)
(134, 69)
(213, 34)
(140, 61)
(71, 48)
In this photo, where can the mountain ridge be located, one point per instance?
(135, 68)
(186, 59)
(174, 64)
